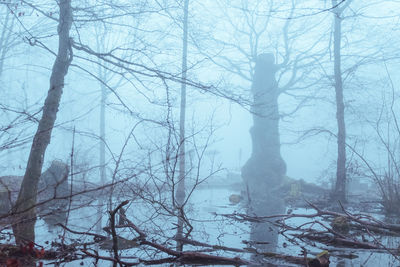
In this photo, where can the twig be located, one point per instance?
(114, 233)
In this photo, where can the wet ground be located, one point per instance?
(204, 211)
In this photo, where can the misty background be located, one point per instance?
(370, 41)
(120, 113)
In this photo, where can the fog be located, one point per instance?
(174, 117)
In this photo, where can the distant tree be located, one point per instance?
(12, 117)
(6, 42)
(261, 28)
(340, 187)
(180, 192)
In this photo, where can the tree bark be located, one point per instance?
(24, 208)
(340, 188)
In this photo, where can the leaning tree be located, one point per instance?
(24, 208)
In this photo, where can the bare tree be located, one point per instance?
(340, 187)
(267, 29)
(180, 192)
(24, 208)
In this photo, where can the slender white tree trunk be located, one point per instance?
(102, 148)
(340, 188)
(180, 193)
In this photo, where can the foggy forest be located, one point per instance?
(199, 133)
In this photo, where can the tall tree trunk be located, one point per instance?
(340, 188)
(180, 193)
(102, 74)
(24, 208)
(103, 135)
(265, 168)
(102, 152)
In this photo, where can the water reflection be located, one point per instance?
(264, 236)
(341, 263)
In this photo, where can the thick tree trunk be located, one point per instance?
(340, 188)
(24, 208)
(265, 168)
(180, 192)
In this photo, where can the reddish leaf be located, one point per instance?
(30, 246)
(39, 253)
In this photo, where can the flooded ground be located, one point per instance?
(205, 212)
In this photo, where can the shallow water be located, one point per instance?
(208, 227)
